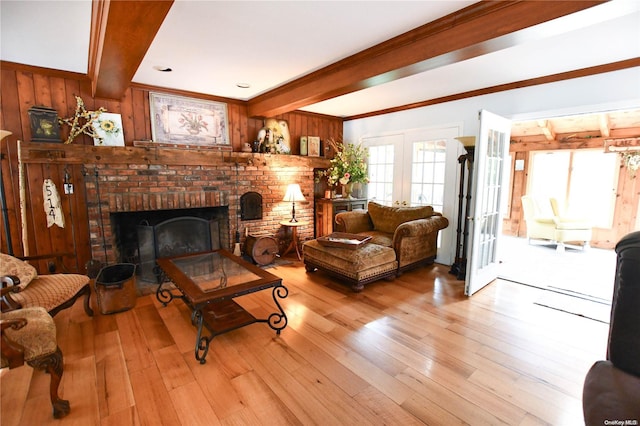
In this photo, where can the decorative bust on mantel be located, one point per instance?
(274, 137)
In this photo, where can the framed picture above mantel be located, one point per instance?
(188, 121)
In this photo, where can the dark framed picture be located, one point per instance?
(304, 145)
(44, 124)
(314, 146)
(187, 121)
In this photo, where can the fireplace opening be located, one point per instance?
(143, 236)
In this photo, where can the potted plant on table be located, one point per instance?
(348, 166)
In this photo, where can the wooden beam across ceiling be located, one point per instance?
(476, 30)
(121, 33)
(547, 130)
(605, 131)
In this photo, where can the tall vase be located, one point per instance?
(347, 190)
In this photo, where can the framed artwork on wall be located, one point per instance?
(44, 124)
(188, 121)
(304, 145)
(314, 146)
(108, 126)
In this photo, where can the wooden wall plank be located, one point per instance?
(42, 90)
(139, 116)
(10, 120)
(26, 100)
(235, 132)
(58, 95)
(126, 112)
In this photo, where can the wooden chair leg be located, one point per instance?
(87, 300)
(86, 291)
(53, 364)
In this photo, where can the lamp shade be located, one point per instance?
(293, 194)
(4, 134)
(467, 141)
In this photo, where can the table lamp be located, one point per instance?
(293, 194)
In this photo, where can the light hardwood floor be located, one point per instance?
(411, 351)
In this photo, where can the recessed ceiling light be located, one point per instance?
(162, 69)
(243, 85)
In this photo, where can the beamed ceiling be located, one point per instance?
(349, 59)
(617, 128)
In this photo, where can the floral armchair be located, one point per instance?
(23, 287)
(29, 335)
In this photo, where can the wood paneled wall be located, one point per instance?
(24, 86)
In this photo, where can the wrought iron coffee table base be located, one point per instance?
(222, 316)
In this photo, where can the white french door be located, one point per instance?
(486, 220)
(385, 168)
(410, 169)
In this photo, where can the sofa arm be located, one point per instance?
(354, 222)
(416, 241)
(420, 227)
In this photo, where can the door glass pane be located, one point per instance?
(489, 209)
(380, 168)
(427, 174)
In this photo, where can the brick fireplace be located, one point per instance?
(145, 187)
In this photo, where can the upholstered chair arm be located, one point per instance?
(15, 323)
(417, 240)
(12, 352)
(420, 227)
(354, 222)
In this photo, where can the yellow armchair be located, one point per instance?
(544, 221)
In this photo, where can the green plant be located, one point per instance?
(349, 165)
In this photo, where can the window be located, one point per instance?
(428, 173)
(583, 181)
(380, 166)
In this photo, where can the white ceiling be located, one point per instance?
(212, 45)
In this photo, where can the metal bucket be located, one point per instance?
(115, 288)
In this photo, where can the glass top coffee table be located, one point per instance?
(208, 283)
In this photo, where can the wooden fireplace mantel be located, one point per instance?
(57, 153)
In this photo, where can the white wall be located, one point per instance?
(602, 92)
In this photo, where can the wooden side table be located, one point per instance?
(294, 235)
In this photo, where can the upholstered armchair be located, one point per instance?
(545, 221)
(612, 386)
(29, 335)
(54, 291)
(411, 231)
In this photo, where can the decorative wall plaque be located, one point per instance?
(44, 124)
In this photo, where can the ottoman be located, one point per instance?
(358, 267)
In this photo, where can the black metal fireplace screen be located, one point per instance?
(173, 237)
